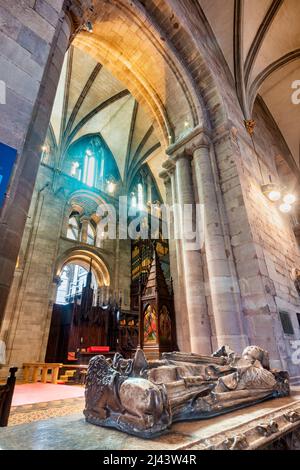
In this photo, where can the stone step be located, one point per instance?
(295, 380)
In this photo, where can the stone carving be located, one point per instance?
(296, 278)
(292, 416)
(267, 430)
(144, 398)
(238, 442)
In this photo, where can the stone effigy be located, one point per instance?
(144, 398)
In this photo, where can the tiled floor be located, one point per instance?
(23, 414)
(25, 394)
(72, 432)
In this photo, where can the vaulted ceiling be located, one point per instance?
(260, 40)
(90, 100)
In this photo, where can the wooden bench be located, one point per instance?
(6, 394)
(79, 375)
(39, 371)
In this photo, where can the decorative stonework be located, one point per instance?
(250, 126)
(144, 398)
(79, 12)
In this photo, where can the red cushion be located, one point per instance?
(98, 349)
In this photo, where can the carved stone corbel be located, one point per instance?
(238, 442)
(79, 13)
(267, 430)
(292, 416)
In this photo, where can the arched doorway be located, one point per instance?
(73, 279)
(83, 312)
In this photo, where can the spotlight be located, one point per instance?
(274, 196)
(271, 191)
(289, 198)
(285, 208)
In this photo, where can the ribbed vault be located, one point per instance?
(260, 41)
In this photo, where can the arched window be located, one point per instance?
(90, 235)
(140, 196)
(89, 170)
(72, 281)
(73, 229)
(133, 201)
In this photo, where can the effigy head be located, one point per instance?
(255, 353)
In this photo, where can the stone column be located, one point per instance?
(176, 263)
(85, 220)
(199, 326)
(173, 256)
(149, 189)
(32, 55)
(99, 235)
(225, 295)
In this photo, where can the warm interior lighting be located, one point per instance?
(274, 196)
(111, 186)
(289, 198)
(285, 208)
(44, 148)
(271, 191)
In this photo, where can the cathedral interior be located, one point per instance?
(149, 205)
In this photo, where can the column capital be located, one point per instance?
(187, 143)
(169, 166)
(201, 141)
(84, 218)
(165, 176)
(184, 154)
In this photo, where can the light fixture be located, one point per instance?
(271, 191)
(274, 196)
(289, 198)
(285, 208)
(111, 186)
(44, 148)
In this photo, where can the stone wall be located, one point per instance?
(258, 245)
(266, 283)
(34, 36)
(29, 309)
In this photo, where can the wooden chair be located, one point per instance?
(6, 395)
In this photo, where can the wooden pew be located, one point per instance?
(39, 371)
(6, 395)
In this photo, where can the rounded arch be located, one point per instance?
(83, 257)
(87, 200)
(144, 59)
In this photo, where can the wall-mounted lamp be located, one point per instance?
(271, 191)
(289, 198)
(275, 194)
(285, 208)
